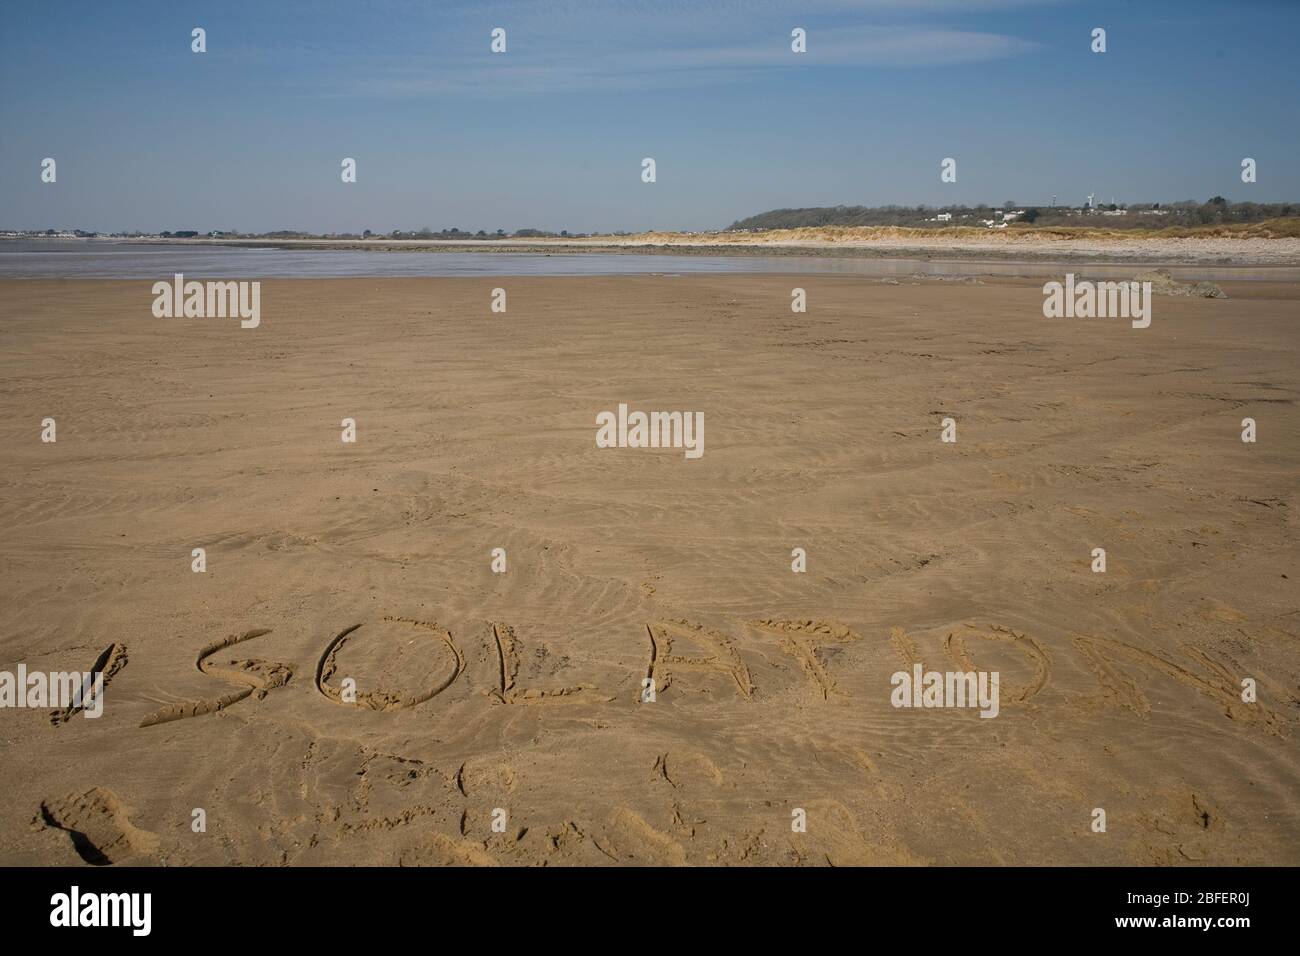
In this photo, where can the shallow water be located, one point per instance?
(105, 259)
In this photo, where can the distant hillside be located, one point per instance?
(1217, 211)
(843, 216)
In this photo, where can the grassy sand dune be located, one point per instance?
(1269, 229)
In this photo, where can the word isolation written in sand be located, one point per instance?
(964, 687)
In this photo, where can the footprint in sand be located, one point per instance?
(678, 769)
(629, 837)
(97, 823)
(435, 849)
(836, 838)
(1186, 829)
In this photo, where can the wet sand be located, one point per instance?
(1095, 245)
(521, 692)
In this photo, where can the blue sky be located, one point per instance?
(551, 134)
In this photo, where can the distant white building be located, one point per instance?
(943, 217)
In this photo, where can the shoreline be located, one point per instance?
(1209, 251)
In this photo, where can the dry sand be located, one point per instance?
(520, 691)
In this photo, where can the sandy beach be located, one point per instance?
(516, 697)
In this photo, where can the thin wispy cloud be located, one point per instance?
(550, 66)
(401, 49)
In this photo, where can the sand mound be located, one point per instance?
(1164, 284)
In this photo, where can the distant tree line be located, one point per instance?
(453, 232)
(425, 233)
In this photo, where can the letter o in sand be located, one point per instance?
(378, 699)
